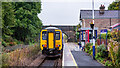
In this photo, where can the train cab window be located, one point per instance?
(44, 35)
(57, 35)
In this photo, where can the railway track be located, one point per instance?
(54, 62)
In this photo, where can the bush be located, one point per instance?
(19, 42)
(102, 52)
(108, 63)
(103, 36)
(115, 34)
(88, 48)
(114, 51)
(4, 43)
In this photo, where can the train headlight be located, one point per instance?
(57, 45)
(44, 45)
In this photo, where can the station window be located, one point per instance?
(57, 35)
(44, 35)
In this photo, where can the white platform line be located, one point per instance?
(63, 57)
(73, 58)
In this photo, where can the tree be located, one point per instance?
(77, 33)
(8, 20)
(114, 6)
(28, 24)
(20, 21)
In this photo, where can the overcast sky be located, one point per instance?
(66, 12)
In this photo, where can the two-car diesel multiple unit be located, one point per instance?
(51, 41)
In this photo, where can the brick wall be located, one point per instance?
(101, 23)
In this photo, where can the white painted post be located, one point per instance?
(93, 30)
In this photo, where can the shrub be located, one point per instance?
(88, 48)
(102, 52)
(103, 36)
(108, 63)
(4, 43)
(115, 34)
(113, 48)
(12, 43)
(19, 42)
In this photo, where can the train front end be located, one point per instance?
(51, 41)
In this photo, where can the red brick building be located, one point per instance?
(103, 18)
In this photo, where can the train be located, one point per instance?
(51, 41)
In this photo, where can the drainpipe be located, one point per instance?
(84, 22)
(110, 21)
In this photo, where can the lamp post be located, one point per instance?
(92, 25)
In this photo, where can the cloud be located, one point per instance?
(66, 11)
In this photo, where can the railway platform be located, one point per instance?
(73, 56)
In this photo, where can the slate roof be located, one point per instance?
(87, 14)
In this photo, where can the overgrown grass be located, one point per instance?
(20, 57)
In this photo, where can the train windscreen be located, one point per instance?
(44, 35)
(57, 35)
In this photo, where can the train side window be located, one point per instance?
(57, 35)
(44, 35)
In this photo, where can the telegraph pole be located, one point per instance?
(93, 29)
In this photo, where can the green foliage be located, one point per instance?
(101, 51)
(4, 43)
(77, 35)
(112, 56)
(108, 35)
(78, 26)
(108, 63)
(27, 21)
(103, 36)
(20, 21)
(114, 6)
(8, 20)
(65, 38)
(88, 48)
(113, 47)
(115, 35)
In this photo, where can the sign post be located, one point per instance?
(92, 26)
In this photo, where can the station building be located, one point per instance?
(103, 18)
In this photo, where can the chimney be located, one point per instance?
(102, 8)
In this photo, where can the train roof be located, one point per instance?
(51, 28)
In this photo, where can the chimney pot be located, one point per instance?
(102, 8)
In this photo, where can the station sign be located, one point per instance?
(104, 31)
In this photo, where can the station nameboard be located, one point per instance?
(103, 31)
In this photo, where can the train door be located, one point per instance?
(50, 40)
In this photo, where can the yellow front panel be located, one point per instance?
(59, 42)
(42, 42)
(51, 40)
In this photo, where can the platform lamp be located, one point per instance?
(92, 26)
